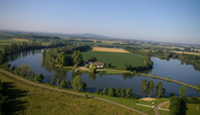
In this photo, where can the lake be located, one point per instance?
(172, 68)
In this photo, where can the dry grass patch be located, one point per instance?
(148, 99)
(109, 50)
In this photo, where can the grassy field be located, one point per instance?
(118, 60)
(127, 102)
(27, 99)
(191, 109)
(109, 50)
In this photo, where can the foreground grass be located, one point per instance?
(127, 102)
(118, 60)
(27, 99)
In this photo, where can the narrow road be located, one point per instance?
(156, 110)
(42, 86)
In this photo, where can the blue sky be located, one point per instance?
(153, 20)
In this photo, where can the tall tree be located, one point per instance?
(58, 83)
(39, 77)
(105, 92)
(174, 107)
(118, 89)
(63, 84)
(160, 91)
(128, 92)
(144, 87)
(31, 75)
(151, 86)
(53, 79)
(77, 58)
(76, 83)
(111, 92)
(83, 86)
(24, 70)
(182, 91)
(68, 82)
(122, 92)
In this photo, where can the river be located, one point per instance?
(172, 68)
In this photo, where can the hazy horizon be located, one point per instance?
(163, 21)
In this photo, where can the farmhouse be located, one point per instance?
(98, 64)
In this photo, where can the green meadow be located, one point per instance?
(27, 99)
(118, 60)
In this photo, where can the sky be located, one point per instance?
(175, 21)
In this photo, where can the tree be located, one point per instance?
(53, 79)
(63, 59)
(17, 71)
(174, 107)
(118, 89)
(39, 77)
(144, 87)
(77, 58)
(97, 91)
(24, 70)
(58, 83)
(30, 75)
(128, 92)
(151, 86)
(76, 83)
(182, 91)
(93, 58)
(122, 92)
(93, 68)
(108, 65)
(68, 82)
(105, 91)
(87, 65)
(111, 92)
(83, 86)
(160, 91)
(63, 84)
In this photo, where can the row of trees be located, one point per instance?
(147, 87)
(23, 71)
(148, 64)
(17, 47)
(62, 59)
(118, 92)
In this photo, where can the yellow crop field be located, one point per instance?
(109, 50)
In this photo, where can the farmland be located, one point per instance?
(109, 50)
(27, 99)
(118, 60)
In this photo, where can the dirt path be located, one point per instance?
(156, 110)
(39, 85)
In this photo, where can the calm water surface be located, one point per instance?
(172, 68)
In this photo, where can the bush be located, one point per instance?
(87, 65)
(193, 100)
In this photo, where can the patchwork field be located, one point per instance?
(25, 99)
(109, 50)
(118, 60)
(191, 53)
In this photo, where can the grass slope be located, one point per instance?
(27, 99)
(118, 60)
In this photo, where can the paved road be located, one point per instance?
(39, 85)
(156, 110)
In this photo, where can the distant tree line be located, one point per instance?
(185, 58)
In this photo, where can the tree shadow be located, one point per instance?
(183, 108)
(13, 105)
